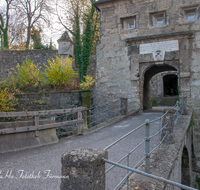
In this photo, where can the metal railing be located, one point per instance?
(149, 175)
(179, 110)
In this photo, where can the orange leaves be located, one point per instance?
(137, 187)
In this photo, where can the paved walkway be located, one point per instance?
(44, 162)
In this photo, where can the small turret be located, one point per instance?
(65, 46)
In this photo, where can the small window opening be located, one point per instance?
(190, 14)
(128, 23)
(158, 19)
(64, 44)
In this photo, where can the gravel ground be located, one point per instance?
(45, 162)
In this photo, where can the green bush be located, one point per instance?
(60, 74)
(8, 102)
(27, 75)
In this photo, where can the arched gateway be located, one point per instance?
(152, 70)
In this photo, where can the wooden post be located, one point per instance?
(80, 125)
(37, 117)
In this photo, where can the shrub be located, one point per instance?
(26, 75)
(89, 82)
(8, 102)
(74, 85)
(60, 74)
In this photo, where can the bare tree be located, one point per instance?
(32, 12)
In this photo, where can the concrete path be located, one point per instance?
(44, 162)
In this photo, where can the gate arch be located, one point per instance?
(148, 73)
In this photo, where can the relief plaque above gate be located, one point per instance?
(158, 49)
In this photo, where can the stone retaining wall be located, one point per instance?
(48, 100)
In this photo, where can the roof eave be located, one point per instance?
(101, 2)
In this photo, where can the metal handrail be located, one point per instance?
(164, 113)
(158, 131)
(126, 155)
(159, 144)
(130, 173)
(149, 175)
(124, 136)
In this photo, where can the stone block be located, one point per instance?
(83, 169)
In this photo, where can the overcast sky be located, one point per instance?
(54, 31)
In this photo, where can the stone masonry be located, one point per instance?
(83, 169)
(9, 59)
(140, 38)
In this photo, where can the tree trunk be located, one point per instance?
(5, 38)
(28, 37)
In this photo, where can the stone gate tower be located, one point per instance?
(140, 38)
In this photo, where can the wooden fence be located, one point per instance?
(37, 114)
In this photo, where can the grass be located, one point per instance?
(153, 101)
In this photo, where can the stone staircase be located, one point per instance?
(168, 101)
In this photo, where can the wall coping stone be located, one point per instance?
(190, 33)
(55, 92)
(84, 156)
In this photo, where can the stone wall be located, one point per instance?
(48, 100)
(9, 59)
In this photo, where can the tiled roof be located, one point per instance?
(65, 37)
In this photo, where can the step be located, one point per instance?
(168, 101)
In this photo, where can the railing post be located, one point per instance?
(147, 147)
(37, 118)
(83, 169)
(106, 111)
(128, 170)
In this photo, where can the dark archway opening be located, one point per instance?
(153, 70)
(170, 85)
(185, 171)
